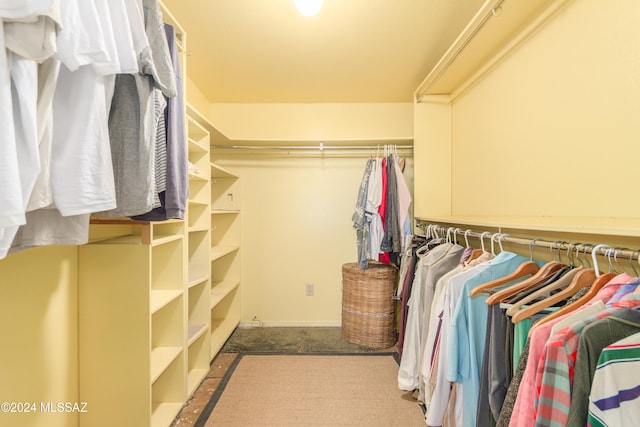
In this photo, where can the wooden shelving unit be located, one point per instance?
(132, 329)
(199, 237)
(151, 319)
(225, 255)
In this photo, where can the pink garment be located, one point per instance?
(524, 413)
(382, 210)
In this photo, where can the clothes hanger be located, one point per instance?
(582, 278)
(475, 253)
(558, 280)
(527, 268)
(482, 240)
(493, 249)
(543, 273)
(600, 281)
(547, 281)
(574, 280)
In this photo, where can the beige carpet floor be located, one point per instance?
(313, 390)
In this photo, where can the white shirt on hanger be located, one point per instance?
(442, 390)
(36, 40)
(11, 203)
(404, 198)
(136, 23)
(123, 35)
(29, 38)
(21, 9)
(80, 38)
(24, 93)
(374, 198)
(112, 64)
(81, 169)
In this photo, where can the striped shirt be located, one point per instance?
(524, 410)
(556, 367)
(615, 391)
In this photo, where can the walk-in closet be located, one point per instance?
(183, 184)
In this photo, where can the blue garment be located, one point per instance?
(173, 199)
(622, 291)
(468, 331)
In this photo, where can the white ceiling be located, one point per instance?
(257, 51)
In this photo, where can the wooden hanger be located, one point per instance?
(595, 287)
(474, 254)
(560, 283)
(582, 278)
(559, 280)
(527, 268)
(539, 277)
(600, 281)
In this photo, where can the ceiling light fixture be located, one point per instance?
(308, 7)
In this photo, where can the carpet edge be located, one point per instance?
(213, 400)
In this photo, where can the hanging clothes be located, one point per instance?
(28, 37)
(85, 45)
(374, 199)
(524, 410)
(392, 240)
(409, 259)
(382, 206)
(430, 365)
(595, 337)
(133, 120)
(171, 165)
(429, 268)
(614, 397)
(404, 202)
(63, 60)
(359, 218)
(560, 353)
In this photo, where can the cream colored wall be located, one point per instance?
(553, 130)
(195, 97)
(314, 122)
(296, 228)
(296, 210)
(432, 145)
(39, 318)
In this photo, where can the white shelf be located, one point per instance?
(161, 240)
(161, 298)
(218, 252)
(220, 172)
(196, 147)
(136, 239)
(163, 414)
(161, 358)
(195, 280)
(197, 177)
(225, 211)
(220, 290)
(194, 379)
(195, 331)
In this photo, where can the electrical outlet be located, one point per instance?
(309, 289)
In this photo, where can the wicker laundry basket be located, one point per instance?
(368, 307)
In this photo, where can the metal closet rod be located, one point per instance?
(582, 248)
(310, 147)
